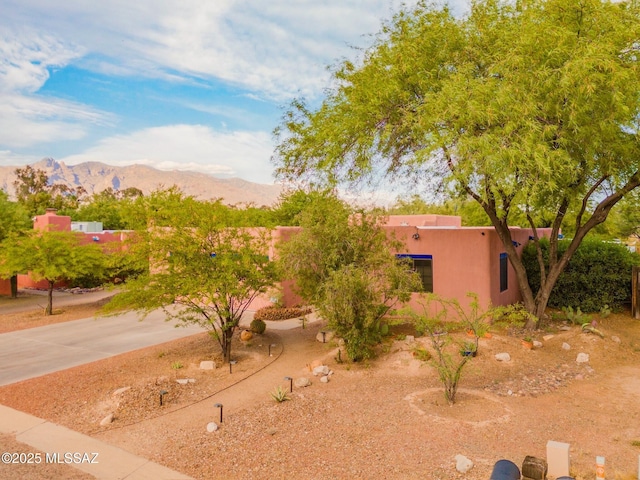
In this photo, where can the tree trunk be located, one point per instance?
(227, 336)
(14, 286)
(49, 309)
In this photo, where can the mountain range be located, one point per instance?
(96, 176)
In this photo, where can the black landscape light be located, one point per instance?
(231, 364)
(162, 394)
(219, 405)
(324, 337)
(270, 347)
(290, 383)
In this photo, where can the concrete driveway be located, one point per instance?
(37, 351)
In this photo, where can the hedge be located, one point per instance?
(598, 274)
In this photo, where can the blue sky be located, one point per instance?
(175, 84)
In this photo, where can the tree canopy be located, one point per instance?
(202, 269)
(527, 107)
(343, 263)
(36, 194)
(49, 255)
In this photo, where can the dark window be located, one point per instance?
(423, 264)
(504, 270)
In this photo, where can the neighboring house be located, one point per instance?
(52, 221)
(452, 260)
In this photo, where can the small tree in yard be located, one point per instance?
(438, 325)
(52, 256)
(342, 263)
(201, 270)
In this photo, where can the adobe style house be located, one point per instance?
(52, 221)
(451, 259)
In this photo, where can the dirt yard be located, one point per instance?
(383, 419)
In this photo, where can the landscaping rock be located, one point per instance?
(108, 420)
(503, 357)
(182, 381)
(120, 391)
(463, 464)
(410, 339)
(302, 382)
(246, 335)
(537, 344)
(314, 364)
(212, 427)
(162, 379)
(546, 338)
(582, 358)
(207, 365)
(324, 379)
(566, 346)
(615, 338)
(321, 370)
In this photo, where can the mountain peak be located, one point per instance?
(96, 177)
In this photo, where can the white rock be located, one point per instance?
(207, 365)
(324, 379)
(582, 358)
(182, 381)
(302, 382)
(615, 338)
(107, 420)
(191, 380)
(566, 346)
(410, 339)
(463, 464)
(537, 344)
(546, 338)
(321, 370)
(212, 427)
(120, 390)
(503, 357)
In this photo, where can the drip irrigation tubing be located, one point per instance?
(177, 409)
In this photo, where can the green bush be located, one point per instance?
(598, 274)
(258, 326)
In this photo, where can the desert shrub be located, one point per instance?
(278, 313)
(598, 274)
(514, 315)
(258, 326)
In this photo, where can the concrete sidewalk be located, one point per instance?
(111, 463)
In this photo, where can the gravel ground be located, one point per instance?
(383, 419)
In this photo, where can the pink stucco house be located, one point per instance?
(452, 260)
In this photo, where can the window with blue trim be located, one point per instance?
(423, 265)
(504, 271)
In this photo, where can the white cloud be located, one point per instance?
(25, 117)
(278, 48)
(188, 147)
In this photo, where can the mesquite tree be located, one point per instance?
(528, 107)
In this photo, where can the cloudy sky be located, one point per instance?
(176, 84)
